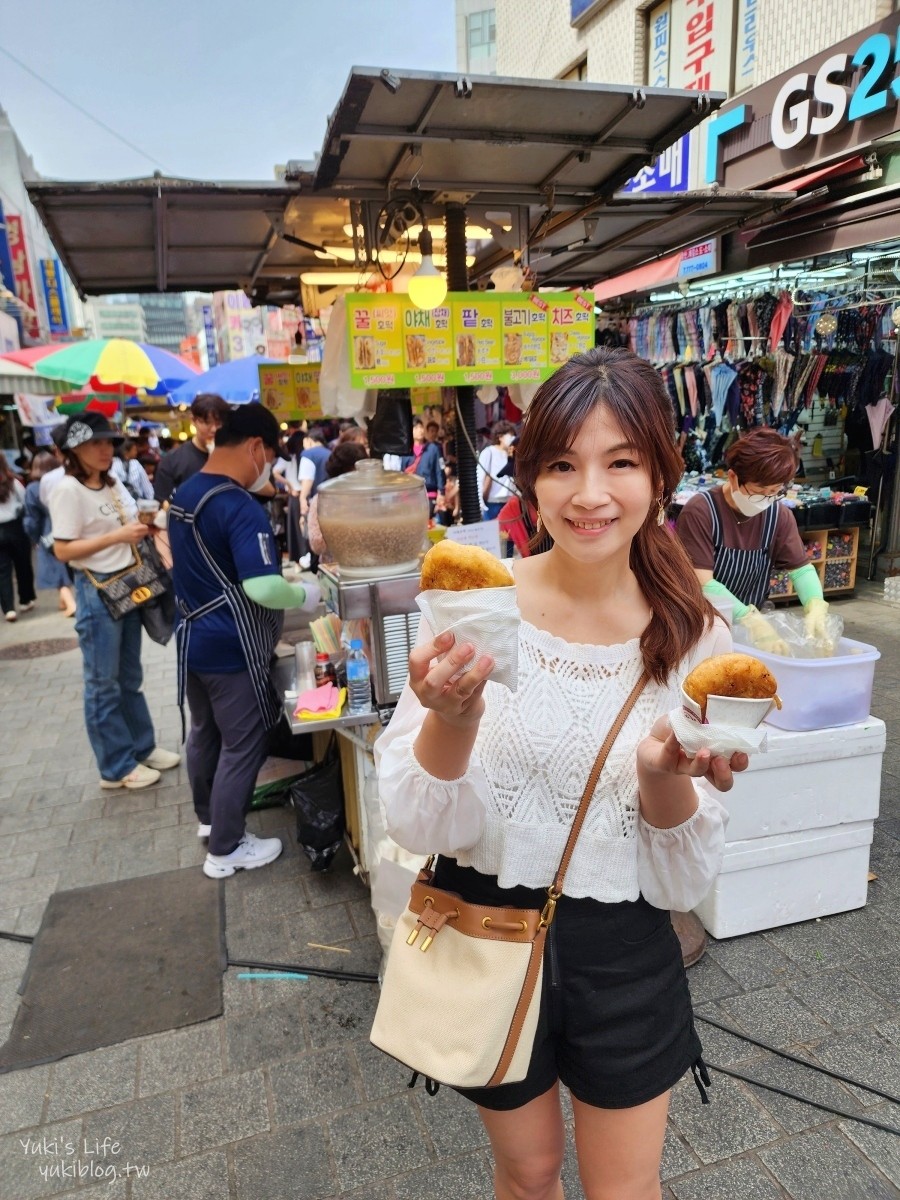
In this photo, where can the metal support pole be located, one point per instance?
(458, 281)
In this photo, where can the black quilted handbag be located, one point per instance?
(145, 580)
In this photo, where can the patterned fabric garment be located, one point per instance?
(708, 329)
(764, 308)
(783, 364)
(750, 378)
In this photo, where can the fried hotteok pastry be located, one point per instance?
(731, 675)
(455, 568)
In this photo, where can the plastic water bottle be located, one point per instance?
(359, 685)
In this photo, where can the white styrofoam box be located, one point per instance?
(808, 780)
(768, 882)
(822, 693)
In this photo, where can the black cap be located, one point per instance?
(88, 427)
(247, 421)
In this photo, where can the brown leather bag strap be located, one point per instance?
(599, 763)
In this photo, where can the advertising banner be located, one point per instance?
(7, 278)
(701, 41)
(291, 391)
(473, 338)
(54, 295)
(24, 287)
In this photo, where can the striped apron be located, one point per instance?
(746, 573)
(258, 628)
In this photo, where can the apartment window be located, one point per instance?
(481, 34)
(576, 73)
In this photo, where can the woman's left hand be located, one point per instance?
(660, 753)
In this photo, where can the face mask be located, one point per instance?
(507, 439)
(751, 506)
(263, 478)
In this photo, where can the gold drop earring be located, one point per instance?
(661, 515)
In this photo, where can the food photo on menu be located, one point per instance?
(364, 355)
(415, 351)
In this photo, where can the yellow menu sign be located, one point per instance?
(291, 390)
(473, 338)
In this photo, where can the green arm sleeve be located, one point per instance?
(274, 591)
(713, 588)
(807, 584)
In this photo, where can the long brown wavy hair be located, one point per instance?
(635, 397)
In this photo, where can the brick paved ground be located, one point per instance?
(283, 1096)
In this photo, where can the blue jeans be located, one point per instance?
(118, 721)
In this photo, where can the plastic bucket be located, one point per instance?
(820, 693)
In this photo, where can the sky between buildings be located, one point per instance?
(208, 89)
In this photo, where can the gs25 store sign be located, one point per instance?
(811, 105)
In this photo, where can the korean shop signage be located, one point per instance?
(831, 106)
(291, 391)
(472, 338)
(54, 297)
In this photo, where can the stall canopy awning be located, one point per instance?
(173, 235)
(544, 153)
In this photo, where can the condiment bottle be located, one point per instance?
(325, 672)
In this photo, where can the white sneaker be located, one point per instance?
(162, 760)
(27, 607)
(140, 777)
(12, 615)
(304, 562)
(203, 831)
(250, 852)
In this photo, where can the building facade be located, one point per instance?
(719, 45)
(476, 37)
(106, 320)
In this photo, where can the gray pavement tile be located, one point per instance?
(87, 809)
(277, 991)
(268, 1035)
(812, 944)
(13, 959)
(263, 941)
(882, 975)
(155, 818)
(729, 1125)
(19, 866)
(291, 1165)
(333, 887)
(865, 1056)
(143, 1131)
(571, 1180)
(823, 1163)
(369, 1143)
(115, 1189)
(22, 1095)
(203, 1177)
(335, 1012)
(738, 1179)
(237, 994)
(21, 822)
(94, 1080)
(180, 1058)
(791, 1114)
(323, 925)
(752, 961)
(125, 801)
(30, 917)
(23, 1155)
(890, 1029)
(323, 1081)
(719, 1046)
(838, 998)
(880, 1147)
(222, 1111)
(381, 1075)
(373, 1191)
(42, 840)
(870, 930)
(9, 1000)
(466, 1178)
(774, 1016)
(677, 1158)
(286, 897)
(453, 1123)
(362, 916)
(169, 796)
(708, 981)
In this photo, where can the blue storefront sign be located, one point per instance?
(51, 278)
(7, 277)
(209, 330)
(670, 172)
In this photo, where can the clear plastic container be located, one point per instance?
(374, 521)
(820, 693)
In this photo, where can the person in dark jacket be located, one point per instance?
(208, 411)
(429, 463)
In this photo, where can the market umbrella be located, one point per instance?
(15, 378)
(237, 381)
(117, 365)
(31, 355)
(85, 401)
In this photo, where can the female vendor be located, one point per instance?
(737, 534)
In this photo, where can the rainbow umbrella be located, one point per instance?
(117, 365)
(18, 377)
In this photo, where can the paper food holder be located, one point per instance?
(487, 617)
(731, 724)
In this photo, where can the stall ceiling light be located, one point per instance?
(334, 278)
(387, 256)
(475, 233)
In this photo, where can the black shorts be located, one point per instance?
(615, 1025)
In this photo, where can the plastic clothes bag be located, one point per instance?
(317, 798)
(790, 627)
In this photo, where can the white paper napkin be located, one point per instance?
(718, 738)
(487, 617)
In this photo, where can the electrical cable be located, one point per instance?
(324, 972)
(17, 937)
(83, 111)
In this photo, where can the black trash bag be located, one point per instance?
(390, 430)
(317, 797)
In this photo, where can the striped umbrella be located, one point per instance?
(117, 365)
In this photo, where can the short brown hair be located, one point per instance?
(764, 457)
(633, 394)
(499, 429)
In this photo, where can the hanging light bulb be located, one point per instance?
(826, 324)
(428, 287)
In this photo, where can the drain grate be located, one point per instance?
(38, 649)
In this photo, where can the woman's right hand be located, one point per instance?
(458, 701)
(133, 532)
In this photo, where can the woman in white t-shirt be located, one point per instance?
(490, 780)
(493, 490)
(95, 528)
